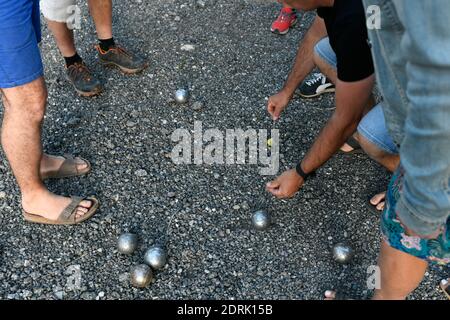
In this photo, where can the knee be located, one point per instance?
(371, 150)
(29, 106)
(37, 108)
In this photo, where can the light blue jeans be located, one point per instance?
(373, 126)
(411, 51)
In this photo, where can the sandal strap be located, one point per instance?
(352, 142)
(69, 213)
(68, 165)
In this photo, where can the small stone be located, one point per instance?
(197, 106)
(73, 122)
(187, 47)
(171, 194)
(2, 194)
(141, 173)
(124, 277)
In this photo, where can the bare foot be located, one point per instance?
(50, 206)
(379, 201)
(346, 148)
(445, 286)
(330, 295)
(51, 163)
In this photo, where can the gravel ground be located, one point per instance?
(214, 253)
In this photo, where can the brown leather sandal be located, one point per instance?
(69, 215)
(68, 169)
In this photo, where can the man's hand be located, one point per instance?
(286, 185)
(277, 103)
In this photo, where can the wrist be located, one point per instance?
(304, 174)
(287, 93)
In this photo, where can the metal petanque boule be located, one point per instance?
(127, 243)
(261, 220)
(156, 257)
(342, 253)
(141, 276)
(181, 96)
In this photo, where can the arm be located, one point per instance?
(424, 204)
(351, 99)
(303, 65)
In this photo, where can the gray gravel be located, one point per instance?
(223, 51)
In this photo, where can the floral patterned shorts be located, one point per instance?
(432, 250)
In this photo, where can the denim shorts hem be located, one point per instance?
(374, 140)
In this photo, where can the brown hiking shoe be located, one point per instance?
(119, 57)
(82, 80)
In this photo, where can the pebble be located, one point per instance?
(197, 106)
(187, 47)
(141, 173)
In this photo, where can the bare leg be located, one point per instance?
(325, 68)
(401, 273)
(101, 12)
(63, 37)
(21, 141)
(389, 161)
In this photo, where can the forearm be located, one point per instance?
(304, 63)
(351, 100)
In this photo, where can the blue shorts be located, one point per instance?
(373, 126)
(20, 58)
(323, 49)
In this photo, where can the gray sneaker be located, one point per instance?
(119, 57)
(82, 80)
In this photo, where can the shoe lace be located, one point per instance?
(317, 77)
(122, 50)
(284, 16)
(78, 70)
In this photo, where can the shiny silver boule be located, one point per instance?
(181, 96)
(156, 257)
(141, 276)
(342, 253)
(127, 243)
(261, 220)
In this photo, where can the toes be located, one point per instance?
(81, 164)
(86, 204)
(445, 284)
(330, 295)
(376, 199)
(380, 206)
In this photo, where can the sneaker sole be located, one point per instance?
(123, 69)
(276, 31)
(316, 94)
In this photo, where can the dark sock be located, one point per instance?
(106, 44)
(72, 60)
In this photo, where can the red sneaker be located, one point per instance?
(286, 20)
